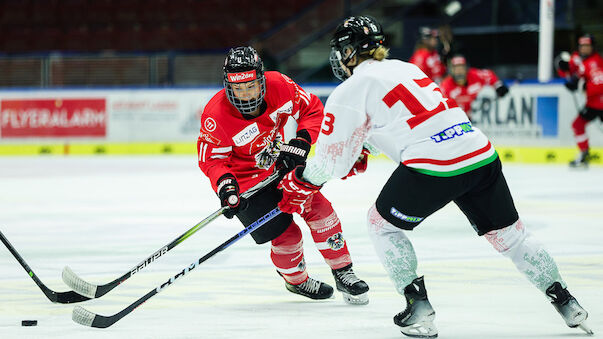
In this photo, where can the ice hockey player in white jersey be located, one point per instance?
(393, 106)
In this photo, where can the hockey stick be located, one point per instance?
(83, 316)
(96, 291)
(56, 297)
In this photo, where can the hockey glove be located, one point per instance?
(501, 90)
(293, 154)
(562, 61)
(297, 193)
(228, 191)
(360, 165)
(572, 83)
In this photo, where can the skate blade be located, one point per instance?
(584, 327)
(360, 299)
(420, 330)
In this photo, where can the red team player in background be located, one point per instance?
(585, 64)
(242, 140)
(464, 83)
(426, 55)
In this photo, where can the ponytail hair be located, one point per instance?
(378, 53)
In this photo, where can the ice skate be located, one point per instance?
(417, 319)
(311, 288)
(567, 306)
(354, 290)
(581, 160)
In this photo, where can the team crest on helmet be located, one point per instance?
(336, 241)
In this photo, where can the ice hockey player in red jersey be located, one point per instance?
(585, 64)
(464, 83)
(393, 106)
(242, 140)
(426, 55)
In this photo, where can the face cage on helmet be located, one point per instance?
(337, 65)
(246, 106)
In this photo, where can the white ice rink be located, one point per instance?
(102, 215)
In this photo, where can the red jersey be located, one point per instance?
(247, 148)
(430, 63)
(591, 69)
(464, 95)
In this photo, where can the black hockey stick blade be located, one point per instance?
(90, 290)
(84, 317)
(68, 297)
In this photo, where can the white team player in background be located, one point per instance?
(393, 106)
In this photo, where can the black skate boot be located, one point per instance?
(310, 288)
(353, 289)
(417, 319)
(567, 306)
(581, 160)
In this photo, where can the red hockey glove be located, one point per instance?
(360, 165)
(297, 193)
(228, 191)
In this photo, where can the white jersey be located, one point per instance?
(395, 107)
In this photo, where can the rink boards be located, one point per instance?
(530, 125)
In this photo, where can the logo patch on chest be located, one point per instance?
(246, 135)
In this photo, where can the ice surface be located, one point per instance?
(102, 215)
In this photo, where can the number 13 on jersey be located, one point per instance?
(416, 108)
(327, 124)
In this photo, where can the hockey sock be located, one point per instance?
(325, 228)
(287, 254)
(528, 255)
(579, 127)
(394, 250)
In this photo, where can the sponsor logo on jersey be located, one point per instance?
(208, 138)
(246, 135)
(209, 125)
(403, 216)
(453, 131)
(287, 108)
(242, 76)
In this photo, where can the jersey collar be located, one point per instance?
(364, 65)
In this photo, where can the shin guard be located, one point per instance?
(528, 255)
(394, 250)
(325, 228)
(287, 254)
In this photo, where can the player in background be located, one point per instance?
(240, 142)
(395, 107)
(426, 55)
(464, 83)
(585, 64)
